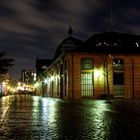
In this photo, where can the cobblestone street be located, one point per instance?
(25, 117)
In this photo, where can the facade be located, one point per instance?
(105, 64)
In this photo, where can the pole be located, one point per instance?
(133, 91)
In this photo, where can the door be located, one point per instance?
(87, 84)
(118, 84)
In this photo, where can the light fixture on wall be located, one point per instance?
(97, 73)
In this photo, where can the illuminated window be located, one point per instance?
(87, 84)
(86, 64)
(118, 64)
(118, 77)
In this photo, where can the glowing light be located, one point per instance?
(34, 76)
(52, 78)
(46, 81)
(36, 85)
(137, 44)
(99, 76)
(4, 84)
(20, 88)
(97, 73)
(19, 83)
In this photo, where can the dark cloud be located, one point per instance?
(31, 28)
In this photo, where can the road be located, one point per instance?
(25, 117)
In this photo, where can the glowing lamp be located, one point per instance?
(97, 73)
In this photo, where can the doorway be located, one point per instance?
(87, 84)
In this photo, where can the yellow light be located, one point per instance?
(19, 83)
(52, 78)
(97, 73)
(99, 76)
(36, 85)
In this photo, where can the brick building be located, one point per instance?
(105, 64)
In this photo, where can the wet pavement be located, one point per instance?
(25, 117)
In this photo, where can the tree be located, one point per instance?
(5, 63)
(106, 58)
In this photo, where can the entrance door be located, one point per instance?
(86, 84)
(119, 90)
(118, 81)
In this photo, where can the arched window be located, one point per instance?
(118, 64)
(86, 63)
(86, 77)
(118, 77)
(118, 71)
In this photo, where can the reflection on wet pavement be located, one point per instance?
(25, 117)
(5, 103)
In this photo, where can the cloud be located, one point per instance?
(31, 28)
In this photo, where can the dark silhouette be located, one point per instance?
(5, 63)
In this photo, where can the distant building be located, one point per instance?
(106, 64)
(41, 65)
(28, 76)
(4, 78)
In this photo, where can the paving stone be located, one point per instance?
(38, 118)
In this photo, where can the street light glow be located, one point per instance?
(98, 73)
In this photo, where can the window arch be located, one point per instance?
(118, 77)
(118, 64)
(86, 63)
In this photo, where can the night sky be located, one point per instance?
(31, 28)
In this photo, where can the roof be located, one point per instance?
(103, 43)
(112, 42)
(70, 43)
(113, 39)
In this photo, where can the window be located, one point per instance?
(118, 64)
(118, 78)
(87, 84)
(86, 64)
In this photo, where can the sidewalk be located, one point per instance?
(5, 102)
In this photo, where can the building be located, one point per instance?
(4, 79)
(28, 76)
(41, 65)
(106, 64)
